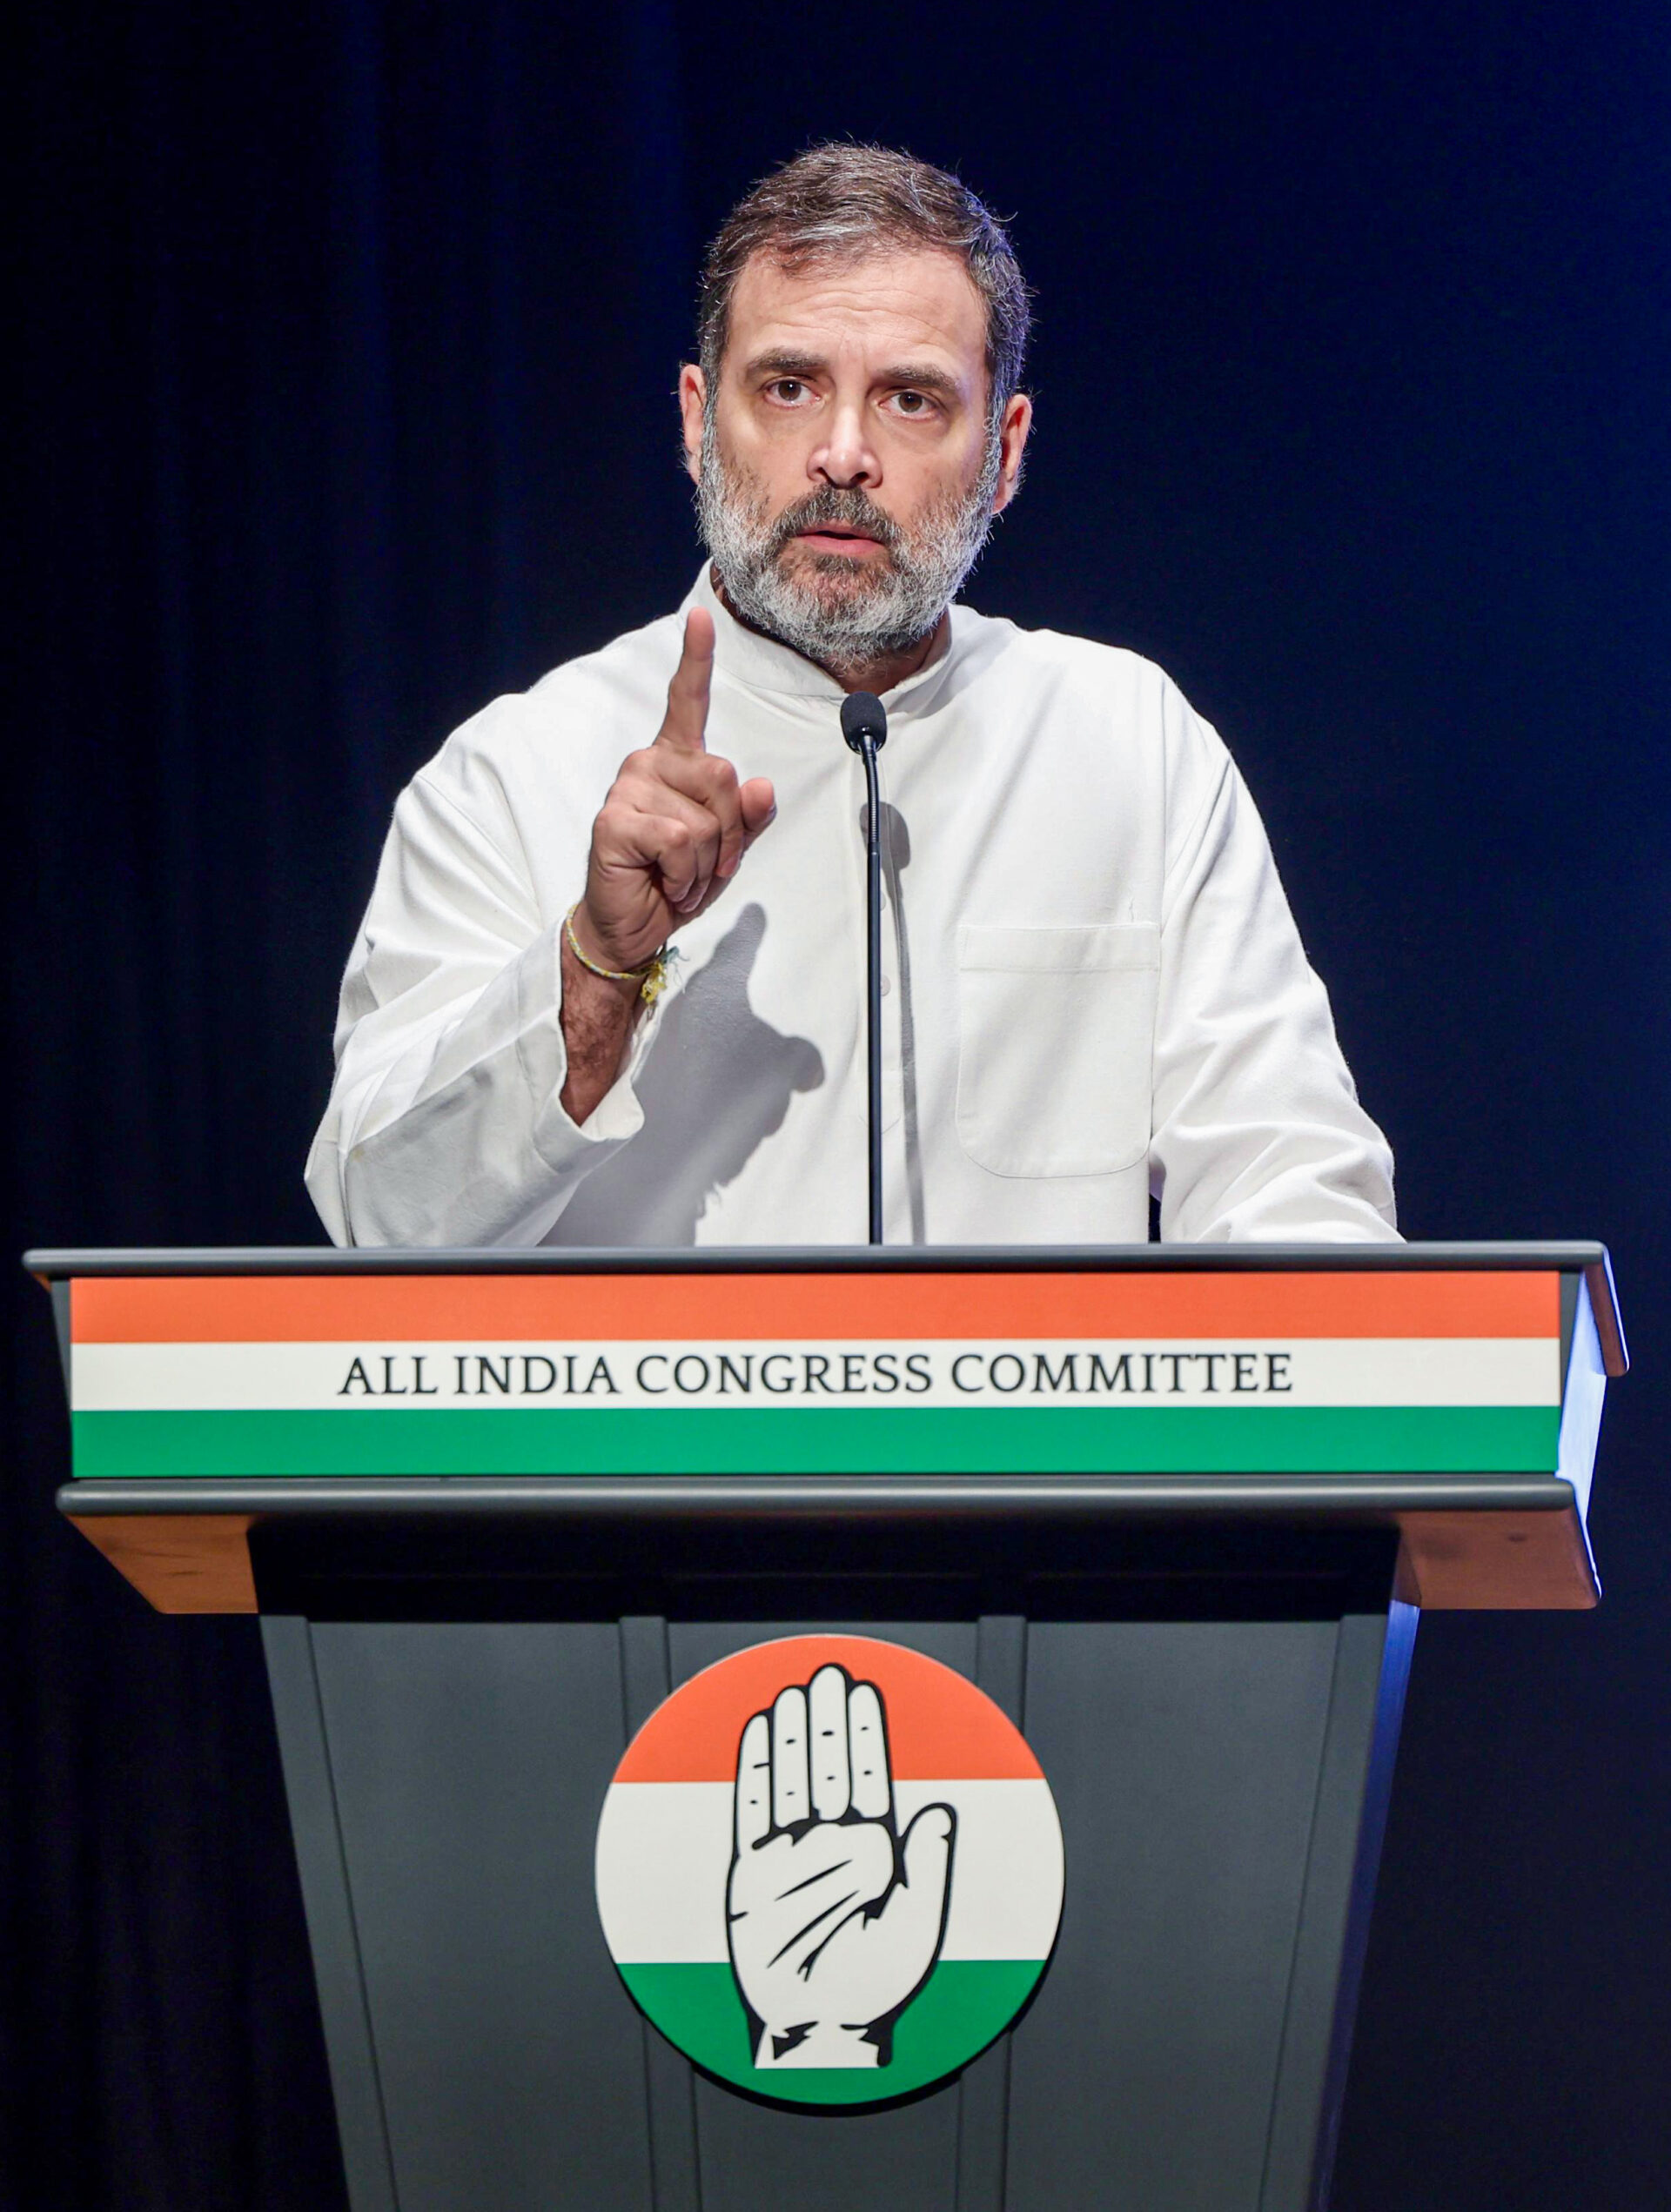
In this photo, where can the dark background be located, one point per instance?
(349, 338)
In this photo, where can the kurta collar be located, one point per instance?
(761, 664)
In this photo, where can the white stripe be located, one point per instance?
(664, 1859)
(1369, 1370)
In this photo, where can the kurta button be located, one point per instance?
(887, 985)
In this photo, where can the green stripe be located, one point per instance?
(964, 2004)
(496, 1440)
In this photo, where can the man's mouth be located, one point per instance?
(838, 538)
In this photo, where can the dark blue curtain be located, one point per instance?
(348, 336)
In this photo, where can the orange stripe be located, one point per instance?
(499, 1308)
(940, 1727)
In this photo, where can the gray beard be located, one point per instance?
(841, 613)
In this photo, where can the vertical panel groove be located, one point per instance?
(311, 1786)
(1354, 1784)
(983, 2092)
(676, 2165)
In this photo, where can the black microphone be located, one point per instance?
(864, 725)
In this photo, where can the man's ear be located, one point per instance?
(693, 397)
(1013, 443)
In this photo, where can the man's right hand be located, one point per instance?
(674, 827)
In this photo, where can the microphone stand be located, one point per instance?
(864, 725)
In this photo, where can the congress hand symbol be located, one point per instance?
(833, 1919)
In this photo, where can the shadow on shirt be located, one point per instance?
(717, 1083)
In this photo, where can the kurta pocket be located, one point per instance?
(1055, 1045)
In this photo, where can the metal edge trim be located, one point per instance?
(881, 1497)
(1573, 1256)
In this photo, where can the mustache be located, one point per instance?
(830, 504)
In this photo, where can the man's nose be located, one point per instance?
(846, 459)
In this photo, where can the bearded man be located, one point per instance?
(609, 1001)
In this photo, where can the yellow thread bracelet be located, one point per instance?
(651, 977)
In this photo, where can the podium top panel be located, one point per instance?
(1413, 1384)
(1572, 1257)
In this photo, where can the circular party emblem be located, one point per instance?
(829, 1870)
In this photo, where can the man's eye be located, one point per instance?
(911, 403)
(787, 388)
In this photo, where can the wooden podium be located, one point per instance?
(1174, 1509)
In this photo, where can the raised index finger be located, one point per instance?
(685, 724)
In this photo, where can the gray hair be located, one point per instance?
(838, 201)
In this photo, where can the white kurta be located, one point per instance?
(1093, 981)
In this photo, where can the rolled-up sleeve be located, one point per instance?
(446, 1124)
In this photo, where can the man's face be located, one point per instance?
(846, 470)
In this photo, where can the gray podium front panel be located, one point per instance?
(1221, 1783)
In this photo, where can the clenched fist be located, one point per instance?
(674, 827)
